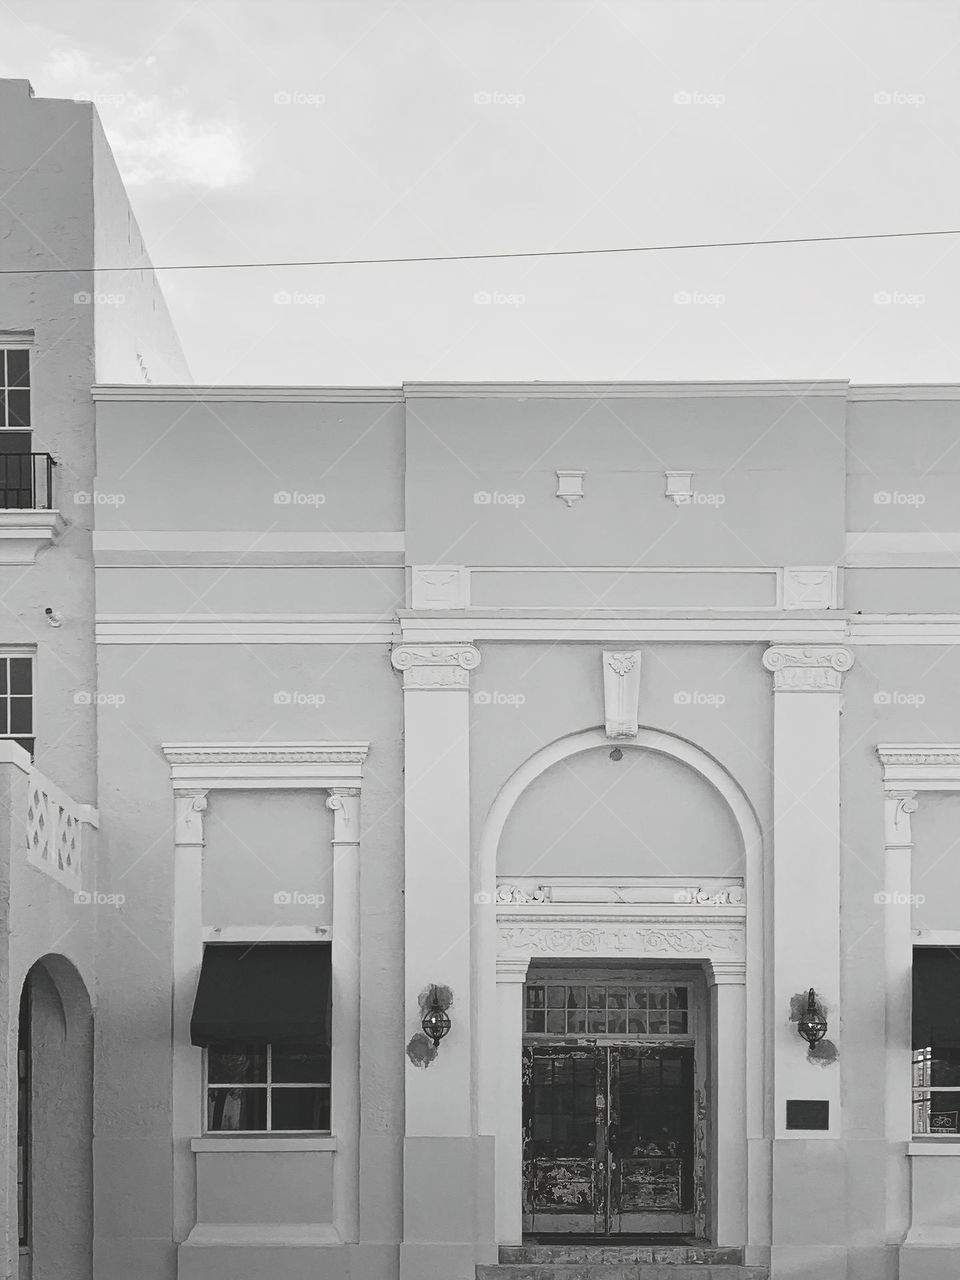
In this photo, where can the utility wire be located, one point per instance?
(474, 257)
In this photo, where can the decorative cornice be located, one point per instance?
(525, 892)
(671, 939)
(269, 766)
(807, 668)
(910, 767)
(436, 666)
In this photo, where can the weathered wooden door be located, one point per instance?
(608, 1139)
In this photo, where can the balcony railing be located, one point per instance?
(26, 481)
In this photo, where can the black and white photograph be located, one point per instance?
(479, 640)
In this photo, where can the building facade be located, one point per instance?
(492, 782)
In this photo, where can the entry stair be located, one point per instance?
(619, 1262)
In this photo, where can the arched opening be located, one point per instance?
(673, 817)
(55, 1124)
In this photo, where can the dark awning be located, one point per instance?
(936, 997)
(263, 993)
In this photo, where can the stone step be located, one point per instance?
(620, 1271)
(621, 1254)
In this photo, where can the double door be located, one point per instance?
(608, 1139)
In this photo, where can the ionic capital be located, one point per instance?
(809, 668)
(435, 666)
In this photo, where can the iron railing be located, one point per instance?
(26, 481)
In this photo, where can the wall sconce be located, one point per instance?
(436, 1022)
(812, 1025)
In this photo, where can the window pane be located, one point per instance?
(616, 1023)
(678, 1022)
(236, 1109)
(576, 1021)
(657, 1023)
(597, 1022)
(535, 1020)
(638, 1023)
(236, 1064)
(597, 997)
(617, 997)
(21, 719)
(678, 997)
(556, 1021)
(300, 1064)
(945, 1065)
(556, 997)
(18, 368)
(3, 675)
(576, 997)
(657, 999)
(18, 408)
(21, 675)
(300, 1108)
(534, 997)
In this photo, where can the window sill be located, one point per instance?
(23, 533)
(945, 1146)
(264, 1142)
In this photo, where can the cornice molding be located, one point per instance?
(807, 668)
(258, 394)
(924, 766)
(905, 391)
(197, 766)
(620, 390)
(259, 628)
(435, 666)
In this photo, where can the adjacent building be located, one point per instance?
(526, 815)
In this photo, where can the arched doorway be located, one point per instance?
(719, 943)
(55, 1124)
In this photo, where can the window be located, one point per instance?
(268, 1088)
(262, 1013)
(16, 699)
(14, 387)
(606, 1008)
(936, 1041)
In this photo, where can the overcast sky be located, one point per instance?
(250, 131)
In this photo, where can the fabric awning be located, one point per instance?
(936, 997)
(263, 993)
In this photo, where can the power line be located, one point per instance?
(477, 257)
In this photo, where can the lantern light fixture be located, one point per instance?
(812, 1024)
(436, 1021)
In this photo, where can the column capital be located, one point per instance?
(510, 969)
(808, 668)
(190, 804)
(344, 802)
(435, 666)
(726, 973)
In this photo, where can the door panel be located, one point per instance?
(651, 1105)
(564, 1105)
(608, 1138)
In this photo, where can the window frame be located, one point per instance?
(629, 986)
(8, 345)
(920, 1065)
(6, 653)
(268, 1085)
